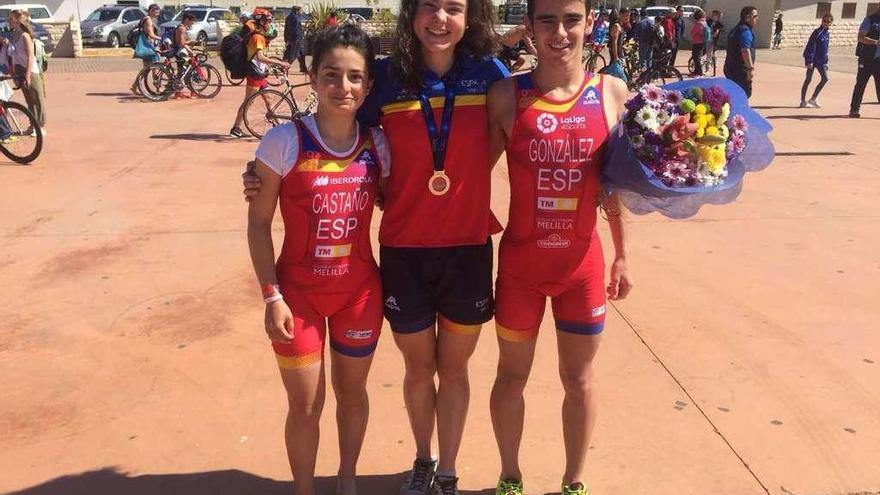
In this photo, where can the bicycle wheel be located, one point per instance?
(596, 63)
(232, 80)
(204, 81)
(26, 140)
(157, 82)
(665, 75)
(275, 76)
(266, 109)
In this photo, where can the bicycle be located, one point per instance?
(707, 60)
(268, 108)
(232, 80)
(594, 61)
(25, 140)
(509, 56)
(660, 71)
(159, 80)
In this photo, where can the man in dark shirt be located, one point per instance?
(777, 33)
(678, 22)
(739, 66)
(293, 39)
(868, 52)
(717, 27)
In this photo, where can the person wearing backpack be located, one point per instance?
(145, 44)
(25, 66)
(255, 44)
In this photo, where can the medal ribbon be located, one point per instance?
(439, 140)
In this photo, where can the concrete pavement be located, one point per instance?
(132, 356)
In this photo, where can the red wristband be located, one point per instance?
(269, 290)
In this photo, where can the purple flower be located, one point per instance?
(715, 97)
(653, 95)
(653, 138)
(739, 124)
(674, 98)
(738, 143)
(635, 103)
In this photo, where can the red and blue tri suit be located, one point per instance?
(326, 270)
(550, 247)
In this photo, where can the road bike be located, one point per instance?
(594, 61)
(268, 108)
(159, 80)
(24, 142)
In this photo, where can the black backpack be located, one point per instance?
(134, 33)
(233, 52)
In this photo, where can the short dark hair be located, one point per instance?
(530, 7)
(347, 36)
(188, 17)
(746, 11)
(153, 6)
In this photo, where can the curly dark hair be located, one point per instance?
(479, 40)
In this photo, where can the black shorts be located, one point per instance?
(420, 283)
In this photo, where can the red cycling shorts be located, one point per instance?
(578, 301)
(354, 320)
(257, 82)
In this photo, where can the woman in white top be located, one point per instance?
(25, 65)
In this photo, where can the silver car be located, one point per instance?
(204, 28)
(110, 25)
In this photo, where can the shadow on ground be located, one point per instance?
(217, 138)
(121, 97)
(112, 481)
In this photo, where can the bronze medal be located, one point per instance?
(439, 183)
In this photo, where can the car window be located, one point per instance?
(213, 16)
(128, 16)
(39, 13)
(198, 13)
(103, 15)
(138, 14)
(4, 13)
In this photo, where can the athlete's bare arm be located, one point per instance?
(620, 283)
(278, 320)
(500, 104)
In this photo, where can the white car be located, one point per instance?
(37, 11)
(204, 29)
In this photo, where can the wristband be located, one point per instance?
(269, 290)
(274, 297)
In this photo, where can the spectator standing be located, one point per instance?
(700, 36)
(816, 58)
(717, 27)
(678, 21)
(739, 66)
(600, 30)
(868, 51)
(645, 36)
(25, 66)
(616, 40)
(148, 39)
(777, 32)
(294, 39)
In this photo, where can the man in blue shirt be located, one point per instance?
(869, 60)
(294, 39)
(678, 22)
(739, 66)
(645, 36)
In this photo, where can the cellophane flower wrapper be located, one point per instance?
(633, 173)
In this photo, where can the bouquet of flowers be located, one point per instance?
(684, 145)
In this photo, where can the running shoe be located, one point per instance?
(575, 489)
(803, 104)
(854, 115)
(236, 132)
(418, 481)
(509, 487)
(444, 485)
(813, 103)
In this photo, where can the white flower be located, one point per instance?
(637, 141)
(647, 118)
(663, 117)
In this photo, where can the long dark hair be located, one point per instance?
(347, 36)
(478, 41)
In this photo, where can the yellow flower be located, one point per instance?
(725, 113)
(702, 121)
(712, 131)
(711, 119)
(701, 131)
(702, 109)
(716, 160)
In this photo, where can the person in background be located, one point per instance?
(777, 32)
(600, 32)
(512, 43)
(816, 58)
(294, 39)
(25, 66)
(868, 51)
(258, 63)
(669, 34)
(616, 40)
(644, 33)
(717, 27)
(678, 22)
(700, 35)
(739, 66)
(149, 36)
